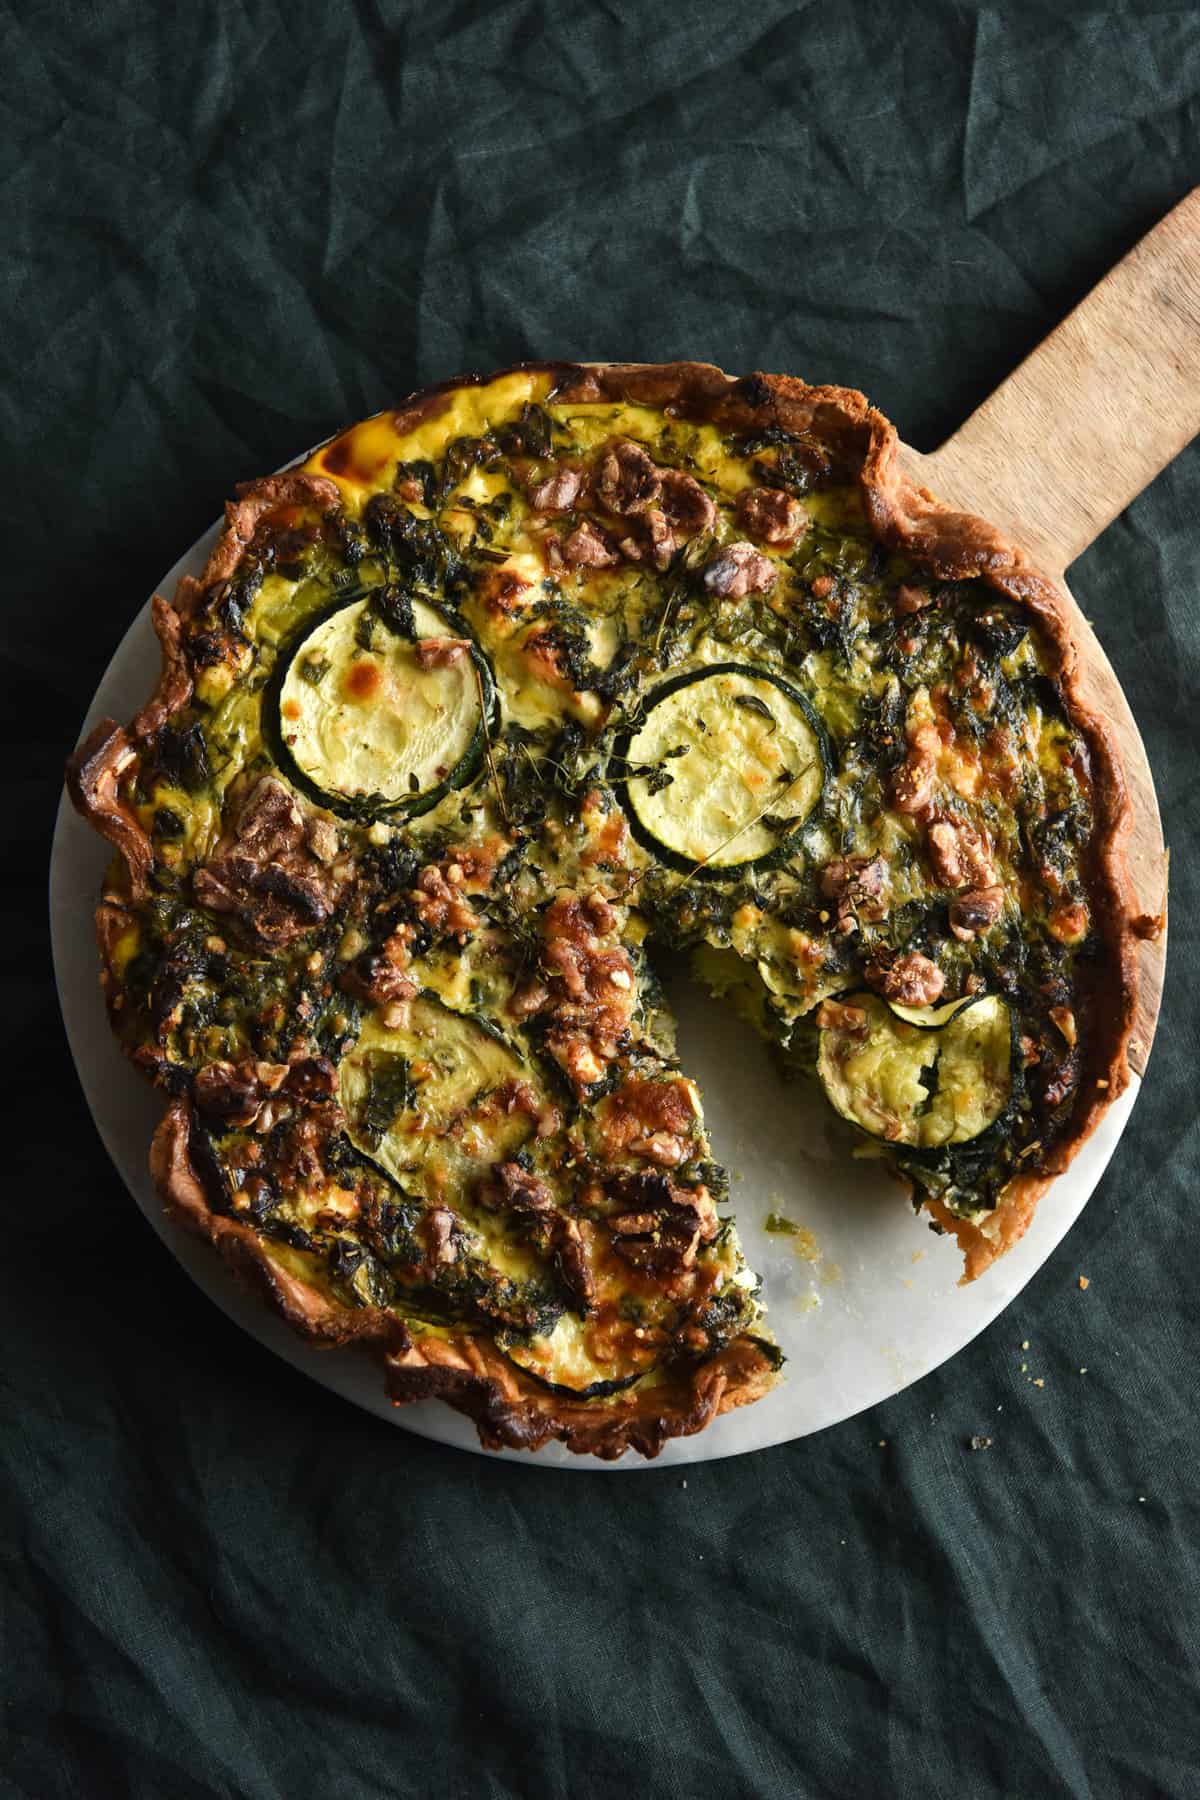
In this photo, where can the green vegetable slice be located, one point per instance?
(930, 1018)
(725, 767)
(369, 723)
(924, 1077)
(561, 1360)
(416, 1096)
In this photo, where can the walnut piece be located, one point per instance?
(627, 480)
(771, 517)
(912, 980)
(738, 570)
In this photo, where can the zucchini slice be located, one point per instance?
(924, 1077)
(364, 727)
(417, 1096)
(563, 1361)
(725, 767)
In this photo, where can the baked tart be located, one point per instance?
(476, 712)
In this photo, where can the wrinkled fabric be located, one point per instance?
(229, 230)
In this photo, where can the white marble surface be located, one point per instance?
(864, 1306)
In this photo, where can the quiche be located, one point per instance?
(475, 715)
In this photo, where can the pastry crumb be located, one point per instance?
(803, 1242)
(1084, 1282)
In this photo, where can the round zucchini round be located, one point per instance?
(922, 1078)
(368, 728)
(461, 1061)
(723, 769)
(560, 1361)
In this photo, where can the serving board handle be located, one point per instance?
(1088, 420)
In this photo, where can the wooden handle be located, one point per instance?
(1089, 419)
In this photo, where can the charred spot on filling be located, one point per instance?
(364, 678)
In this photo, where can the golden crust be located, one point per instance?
(470, 1374)
(174, 688)
(95, 771)
(256, 501)
(510, 1413)
(302, 1305)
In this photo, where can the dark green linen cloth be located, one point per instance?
(227, 230)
